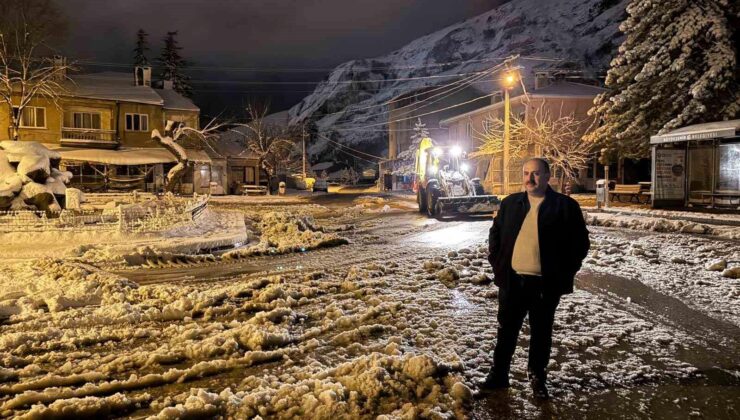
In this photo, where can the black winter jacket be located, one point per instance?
(563, 239)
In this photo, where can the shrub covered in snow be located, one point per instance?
(30, 177)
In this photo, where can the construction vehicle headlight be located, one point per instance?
(433, 169)
(437, 152)
(456, 151)
(464, 167)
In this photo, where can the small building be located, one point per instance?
(559, 98)
(242, 166)
(697, 165)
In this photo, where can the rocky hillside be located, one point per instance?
(581, 34)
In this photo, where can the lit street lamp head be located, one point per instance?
(509, 80)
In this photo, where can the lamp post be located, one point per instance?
(509, 80)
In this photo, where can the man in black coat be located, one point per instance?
(536, 245)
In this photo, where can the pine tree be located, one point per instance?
(676, 67)
(173, 64)
(420, 132)
(141, 49)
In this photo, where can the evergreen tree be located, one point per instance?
(420, 132)
(173, 64)
(675, 67)
(141, 49)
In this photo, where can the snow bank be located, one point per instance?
(660, 224)
(55, 285)
(283, 232)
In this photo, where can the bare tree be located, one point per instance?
(559, 139)
(273, 146)
(176, 133)
(491, 137)
(25, 29)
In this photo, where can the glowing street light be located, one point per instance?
(509, 80)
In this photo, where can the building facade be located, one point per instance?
(102, 127)
(560, 98)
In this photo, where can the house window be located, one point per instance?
(32, 116)
(86, 120)
(469, 130)
(137, 122)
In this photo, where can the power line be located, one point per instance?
(347, 147)
(401, 98)
(312, 82)
(420, 115)
(428, 113)
(91, 62)
(469, 81)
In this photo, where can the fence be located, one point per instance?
(147, 216)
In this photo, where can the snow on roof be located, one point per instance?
(711, 130)
(127, 156)
(174, 100)
(232, 144)
(559, 89)
(117, 86)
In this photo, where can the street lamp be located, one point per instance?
(509, 80)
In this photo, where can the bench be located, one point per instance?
(630, 191)
(254, 189)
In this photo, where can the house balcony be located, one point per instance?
(89, 137)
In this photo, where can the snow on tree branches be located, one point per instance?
(174, 134)
(677, 66)
(25, 29)
(173, 65)
(273, 146)
(420, 132)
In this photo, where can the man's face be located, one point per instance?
(534, 177)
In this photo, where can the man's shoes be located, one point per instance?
(539, 388)
(494, 382)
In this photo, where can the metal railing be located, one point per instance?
(89, 134)
(147, 216)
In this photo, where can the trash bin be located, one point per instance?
(281, 188)
(600, 193)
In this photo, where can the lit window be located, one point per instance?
(137, 122)
(86, 120)
(32, 116)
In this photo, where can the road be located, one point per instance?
(709, 345)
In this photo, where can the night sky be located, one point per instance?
(286, 40)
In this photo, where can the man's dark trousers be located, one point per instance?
(525, 295)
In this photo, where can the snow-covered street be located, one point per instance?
(345, 306)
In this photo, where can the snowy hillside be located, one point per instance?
(581, 33)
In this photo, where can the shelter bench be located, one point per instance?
(631, 192)
(254, 189)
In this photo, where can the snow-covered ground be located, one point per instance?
(398, 323)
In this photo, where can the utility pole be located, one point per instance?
(510, 79)
(303, 137)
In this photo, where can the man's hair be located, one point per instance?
(542, 161)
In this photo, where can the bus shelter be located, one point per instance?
(697, 165)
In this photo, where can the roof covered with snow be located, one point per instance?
(232, 144)
(173, 100)
(127, 156)
(559, 89)
(115, 86)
